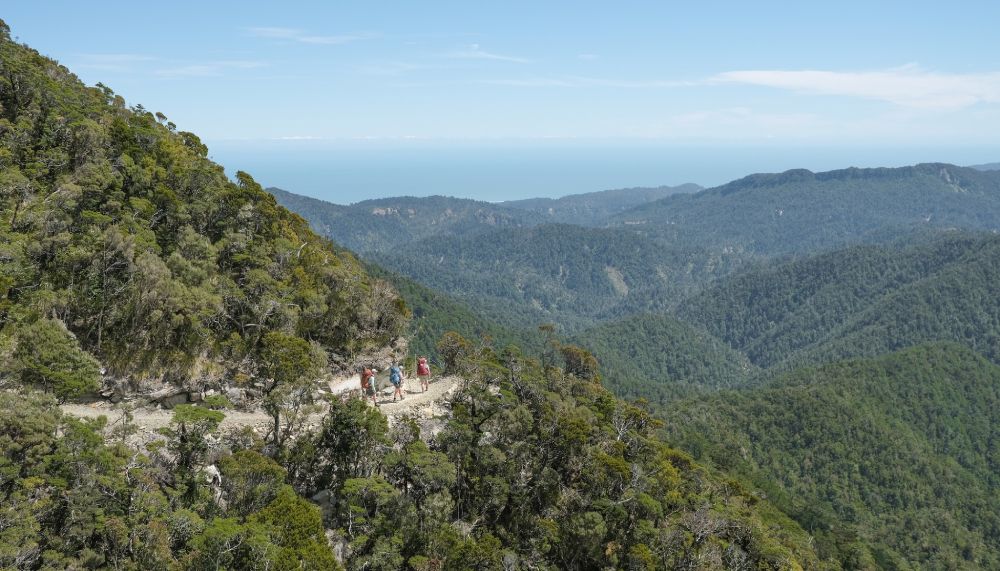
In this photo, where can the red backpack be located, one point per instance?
(422, 368)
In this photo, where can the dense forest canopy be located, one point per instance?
(889, 462)
(823, 347)
(859, 301)
(595, 208)
(127, 255)
(122, 242)
(568, 274)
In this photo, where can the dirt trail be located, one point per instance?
(414, 399)
(150, 419)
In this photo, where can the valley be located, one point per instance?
(740, 316)
(793, 370)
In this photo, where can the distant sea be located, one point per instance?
(347, 173)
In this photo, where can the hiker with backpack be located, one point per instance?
(423, 373)
(368, 384)
(396, 378)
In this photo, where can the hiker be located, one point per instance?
(368, 384)
(396, 378)
(423, 373)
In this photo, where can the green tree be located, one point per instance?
(186, 439)
(288, 367)
(453, 348)
(48, 356)
(580, 363)
(250, 481)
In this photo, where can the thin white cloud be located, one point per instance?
(577, 81)
(474, 51)
(208, 69)
(303, 37)
(908, 86)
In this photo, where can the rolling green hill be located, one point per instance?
(891, 461)
(986, 167)
(556, 272)
(800, 211)
(435, 313)
(659, 358)
(859, 301)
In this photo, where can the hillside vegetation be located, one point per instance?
(386, 224)
(532, 468)
(800, 211)
(557, 272)
(859, 301)
(122, 242)
(889, 462)
(434, 313)
(124, 248)
(659, 358)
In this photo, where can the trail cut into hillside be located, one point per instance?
(423, 405)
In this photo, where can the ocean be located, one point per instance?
(349, 172)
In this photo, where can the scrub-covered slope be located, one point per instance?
(121, 241)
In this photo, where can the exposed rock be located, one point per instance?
(169, 396)
(236, 395)
(172, 401)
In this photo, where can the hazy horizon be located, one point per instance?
(494, 171)
(525, 99)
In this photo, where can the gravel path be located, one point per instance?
(150, 419)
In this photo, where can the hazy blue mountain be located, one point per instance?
(387, 223)
(986, 167)
(594, 208)
(800, 211)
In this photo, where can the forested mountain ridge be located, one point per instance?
(889, 462)
(558, 272)
(799, 211)
(434, 313)
(859, 301)
(660, 358)
(120, 241)
(594, 208)
(531, 468)
(384, 224)
(123, 247)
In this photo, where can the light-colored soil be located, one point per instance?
(420, 404)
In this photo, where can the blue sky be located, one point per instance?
(885, 75)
